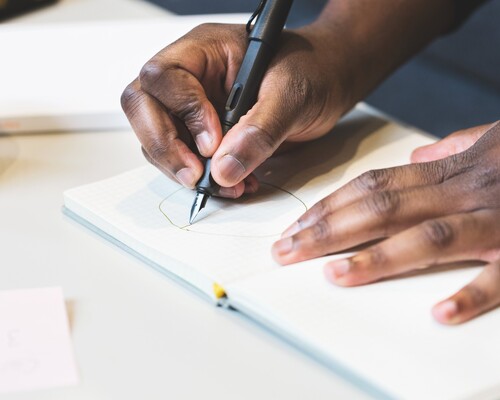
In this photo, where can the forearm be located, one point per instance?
(365, 40)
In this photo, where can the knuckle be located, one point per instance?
(191, 111)
(458, 164)
(484, 177)
(383, 204)
(373, 180)
(130, 100)
(377, 256)
(441, 170)
(474, 297)
(150, 74)
(265, 140)
(320, 231)
(157, 149)
(438, 233)
(322, 208)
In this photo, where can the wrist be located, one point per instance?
(329, 56)
(364, 47)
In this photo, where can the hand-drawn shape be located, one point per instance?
(263, 214)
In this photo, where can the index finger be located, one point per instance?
(370, 182)
(159, 136)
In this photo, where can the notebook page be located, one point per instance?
(149, 213)
(232, 238)
(382, 333)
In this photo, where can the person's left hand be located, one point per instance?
(444, 207)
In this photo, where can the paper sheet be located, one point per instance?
(383, 332)
(35, 345)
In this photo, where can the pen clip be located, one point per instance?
(255, 15)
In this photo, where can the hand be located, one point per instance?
(436, 210)
(175, 103)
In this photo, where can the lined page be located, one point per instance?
(232, 239)
(383, 332)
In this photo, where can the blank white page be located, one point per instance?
(232, 238)
(381, 333)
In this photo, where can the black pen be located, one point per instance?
(263, 39)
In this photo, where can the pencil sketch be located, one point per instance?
(249, 217)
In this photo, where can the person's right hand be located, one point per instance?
(175, 103)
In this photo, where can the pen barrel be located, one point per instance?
(262, 43)
(270, 22)
(244, 92)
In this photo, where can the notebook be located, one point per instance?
(69, 76)
(380, 336)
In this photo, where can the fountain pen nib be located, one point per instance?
(199, 202)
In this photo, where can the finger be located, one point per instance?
(369, 183)
(453, 144)
(249, 143)
(232, 192)
(251, 184)
(379, 215)
(479, 296)
(456, 237)
(159, 136)
(174, 77)
(248, 186)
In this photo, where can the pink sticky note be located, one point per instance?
(35, 345)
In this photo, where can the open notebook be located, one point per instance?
(382, 336)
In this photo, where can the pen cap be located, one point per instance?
(270, 22)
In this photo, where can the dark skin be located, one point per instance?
(431, 212)
(319, 72)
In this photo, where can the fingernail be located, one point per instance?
(231, 169)
(337, 269)
(227, 192)
(290, 231)
(283, 246)
(204, 142)
(186, 177)
(446, 311)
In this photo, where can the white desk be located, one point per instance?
(136, 334)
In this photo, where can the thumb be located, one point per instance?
(250, 142)
(453, 144)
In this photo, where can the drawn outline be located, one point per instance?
(186, 227)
